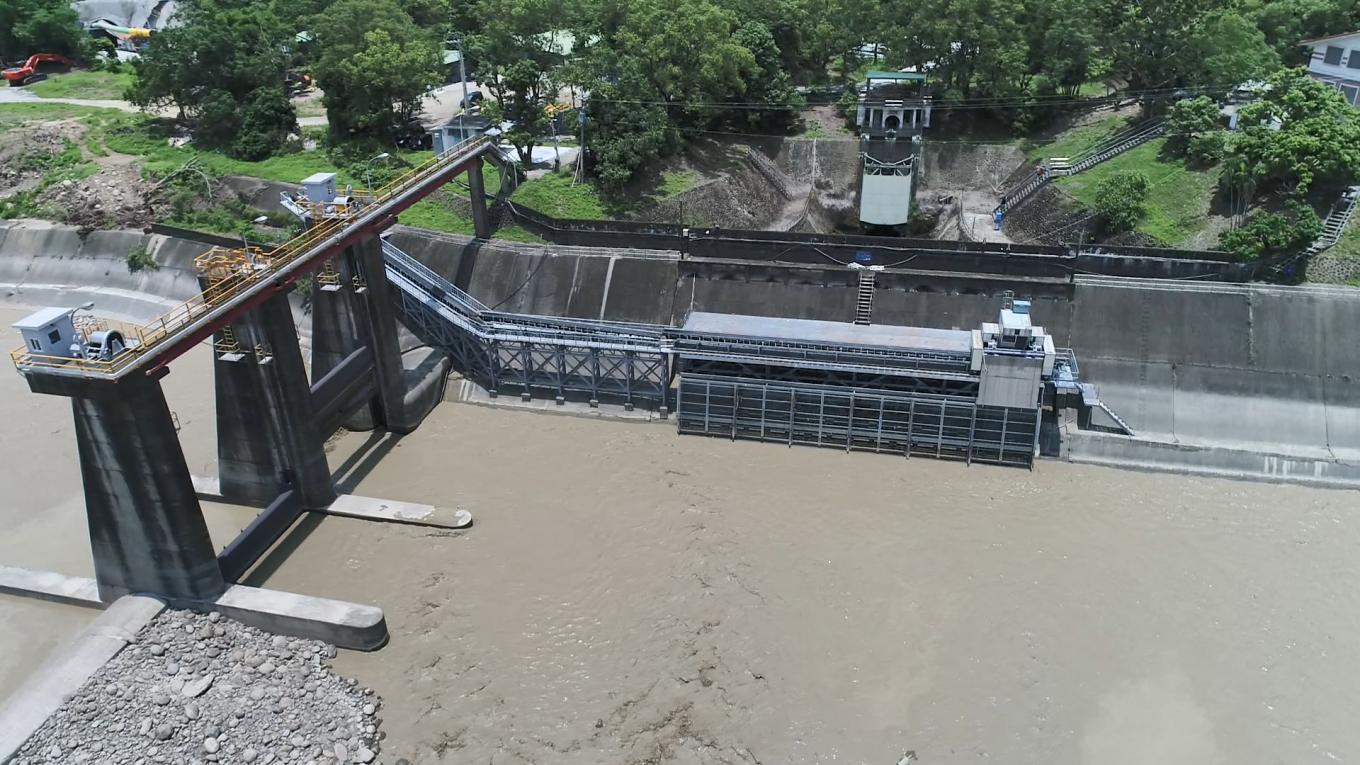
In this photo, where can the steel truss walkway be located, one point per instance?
(513, 352)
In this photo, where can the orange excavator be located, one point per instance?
(28, 71)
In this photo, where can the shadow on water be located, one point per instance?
(359, 464)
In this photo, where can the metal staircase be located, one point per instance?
(1128, 431)
(1129, 139)
(864, 301)
(1335, 222)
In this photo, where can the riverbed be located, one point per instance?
(627, 595)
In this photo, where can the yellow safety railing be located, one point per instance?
(232, 272)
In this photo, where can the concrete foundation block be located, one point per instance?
(347, 625)
(51, 586)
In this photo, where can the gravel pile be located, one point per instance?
(199, 688)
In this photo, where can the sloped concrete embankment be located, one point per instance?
(1051, 216)
(969, 167)
(1242, 380)
(553, 280)
(780, 183)
(43, 263)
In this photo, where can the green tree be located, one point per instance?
(1120, 200)
(1194, 129)
(1226, 49)
(222, 66)
(39, 26)
(1156, 44)
(1300, 135)
(1061, 42)
(519, 54)
(1269, 234)
(767, 83)
(1286, 22)
(657, 68)
(375, 65)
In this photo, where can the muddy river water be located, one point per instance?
(631, 596)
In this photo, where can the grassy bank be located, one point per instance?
(1179, 202)
(112, 131)
(14, 116)
(556, 194)
(108, 86)
(1071, 143)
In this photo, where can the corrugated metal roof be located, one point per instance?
(1329, 38)
(882, 75)
(833, 332)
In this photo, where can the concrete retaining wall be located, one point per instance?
(555, 280)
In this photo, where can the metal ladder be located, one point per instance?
(864, 301)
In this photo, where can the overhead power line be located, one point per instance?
(997, 102)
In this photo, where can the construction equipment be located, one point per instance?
(28, 71)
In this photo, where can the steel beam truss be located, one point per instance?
(528, 354)
(857, 418)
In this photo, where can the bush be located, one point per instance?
(138, 259)
(1119, 200)
(266, 121)
(1268, 234)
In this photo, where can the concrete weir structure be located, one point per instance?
(1242, 380)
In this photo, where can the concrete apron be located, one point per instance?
(364, 508)
(346, 625)
(1218, 460)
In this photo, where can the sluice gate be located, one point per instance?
(859, 419)
(973, 395)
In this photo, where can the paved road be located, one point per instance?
(440, 105)
(10, 95)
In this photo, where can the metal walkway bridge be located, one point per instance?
(243, 279)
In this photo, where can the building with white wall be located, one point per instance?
(1336, 61)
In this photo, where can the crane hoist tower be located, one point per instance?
(893, 111)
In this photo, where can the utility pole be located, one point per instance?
(462, 75)
(581, 155)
